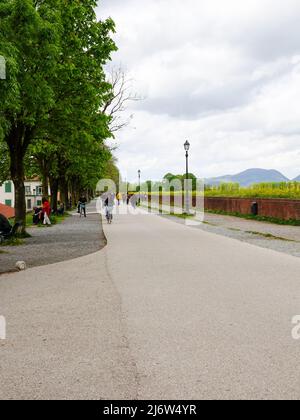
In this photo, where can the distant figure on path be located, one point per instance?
(82, 205)
(61, 209)
(109, 207)
(46, 211)
(134, 201)
(119, 198)
(38, 216)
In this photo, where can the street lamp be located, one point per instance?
(187, 201)
(139, 173)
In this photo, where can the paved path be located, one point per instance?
(164, 311)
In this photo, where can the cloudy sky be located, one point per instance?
(224, 74)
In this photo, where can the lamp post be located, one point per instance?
(187, 200)
(139, 173)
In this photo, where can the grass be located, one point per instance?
(15, 241)
(55, 220)
(19, 238)
(181, 216)
(269, 236)
(290, 222)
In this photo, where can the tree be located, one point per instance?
(171, 177)
(76, 126)
(4, 162)
(112, 172)
(118, 95)
(29, 43)
(51, 114)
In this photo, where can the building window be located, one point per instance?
(39, 190)
(8, 203)
(29, 204)
(8, 187)
(27, 190)
(39, 203)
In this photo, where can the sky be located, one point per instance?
(224, 74)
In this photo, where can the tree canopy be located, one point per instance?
(52, 122)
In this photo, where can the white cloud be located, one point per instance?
(224, 74)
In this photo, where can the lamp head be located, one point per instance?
(187, 146)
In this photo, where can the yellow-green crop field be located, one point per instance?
(289, 190)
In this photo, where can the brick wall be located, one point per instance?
(278, 208)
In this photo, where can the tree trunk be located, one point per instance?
(16, 151)
(54, 193)
(45, 177)
(20, 204)
(64, 191)
(75, 193)
(45, 184)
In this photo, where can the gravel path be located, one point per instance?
(73, 238)
(230, 222)
(247, 231)
(281, 238)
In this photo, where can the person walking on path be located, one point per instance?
(119, 198)
(82, 205)
(46, 211)
(109, 207)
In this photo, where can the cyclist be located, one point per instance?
(82, 205)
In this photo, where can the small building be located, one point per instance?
(7, 194)
(33, 194)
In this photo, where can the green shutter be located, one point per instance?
(8, 203)
(8, 187)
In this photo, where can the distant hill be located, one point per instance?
(249, 177)
(297, 179)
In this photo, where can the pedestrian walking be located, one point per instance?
(46, 209)
(109, 207)
(119, 198)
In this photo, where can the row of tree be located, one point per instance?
(169, 181)
(57, 106)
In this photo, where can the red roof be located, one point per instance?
(7, 211)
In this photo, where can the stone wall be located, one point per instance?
(283, 209)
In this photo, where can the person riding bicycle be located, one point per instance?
(82, 205)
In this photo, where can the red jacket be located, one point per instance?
(47, 208)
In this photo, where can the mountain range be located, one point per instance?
(251, 176)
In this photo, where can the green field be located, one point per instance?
(289, 190)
